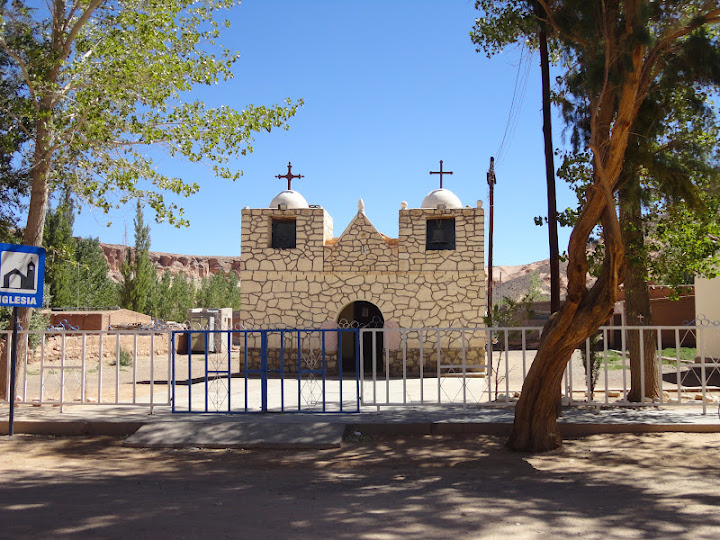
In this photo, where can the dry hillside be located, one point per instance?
(195, 267)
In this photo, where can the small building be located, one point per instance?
(666, 309)
(296, 274)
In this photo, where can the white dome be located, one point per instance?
(441, 197)
(290, 198)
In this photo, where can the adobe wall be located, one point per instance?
(98, 320)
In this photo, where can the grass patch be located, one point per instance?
(687, 354)
(126, 359)
(615, 361)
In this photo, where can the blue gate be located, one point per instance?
(258, 371)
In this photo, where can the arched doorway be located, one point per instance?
(360, 314)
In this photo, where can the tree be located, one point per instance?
(13, 173)
(182, 292)
(60, 278)
(104, 80)
(671, 160)
(163, 301)
(620, 46)
(219, 291)
(138, 273)
(94, 288)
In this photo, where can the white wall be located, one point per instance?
(707, 311)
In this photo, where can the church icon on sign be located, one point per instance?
(21, 276)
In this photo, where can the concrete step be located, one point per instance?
(224, 434)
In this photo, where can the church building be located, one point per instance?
(296, 274)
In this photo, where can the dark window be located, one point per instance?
(440, 234)
(283, 233)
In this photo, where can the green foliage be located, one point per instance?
(14, 175)
(162, 301)
(126, 359)
(508, 312)
(138, 273)
(219, 291)
(60, 247)
(671, 158)
(503, 23)
(182, 292)
(174, 296)
(75, 268)
(615, 361)
(94, 288)
(103, 81)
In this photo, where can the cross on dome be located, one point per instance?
(289, 176)
(441, 172)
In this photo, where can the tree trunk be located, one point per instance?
(535, 425)
(644, 379)
(35, 226)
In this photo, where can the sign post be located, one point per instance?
(22, 269)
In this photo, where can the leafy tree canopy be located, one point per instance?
(616, 50)
(104, 80)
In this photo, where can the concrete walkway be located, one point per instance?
(293, 430)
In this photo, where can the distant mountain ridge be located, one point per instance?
(195, 267)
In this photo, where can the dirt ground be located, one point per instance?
(621, 486)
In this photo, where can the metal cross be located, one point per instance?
(289, 176)
(441, 172)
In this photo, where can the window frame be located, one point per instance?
(276, 236)
(449, 243)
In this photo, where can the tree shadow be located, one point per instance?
(379, 487)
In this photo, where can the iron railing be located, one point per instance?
(398, 367)
(487, 366)
(65, 366)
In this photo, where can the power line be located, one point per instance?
(521, 82)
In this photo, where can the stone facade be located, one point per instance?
(310, 285)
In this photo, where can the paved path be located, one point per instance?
(326, 430)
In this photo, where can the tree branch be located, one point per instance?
(82, 20)
(23, 68)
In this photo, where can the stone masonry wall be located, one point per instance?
(307, 287)
(361, 248)
(469, 252)
(256, 237)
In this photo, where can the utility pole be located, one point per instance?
(491, 183)
(549, 166)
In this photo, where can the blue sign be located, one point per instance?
(22, 272)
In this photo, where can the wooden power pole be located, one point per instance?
(491, 183)
(549, 167)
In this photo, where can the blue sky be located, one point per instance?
(391, 87)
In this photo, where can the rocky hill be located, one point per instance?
(195, 267)
(514, 281)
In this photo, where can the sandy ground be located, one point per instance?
(622, 486)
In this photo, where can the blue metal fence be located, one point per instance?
(258, 371)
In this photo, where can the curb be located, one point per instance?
(71, 428)
(126, 428)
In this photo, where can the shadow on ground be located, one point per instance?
(372, 487)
